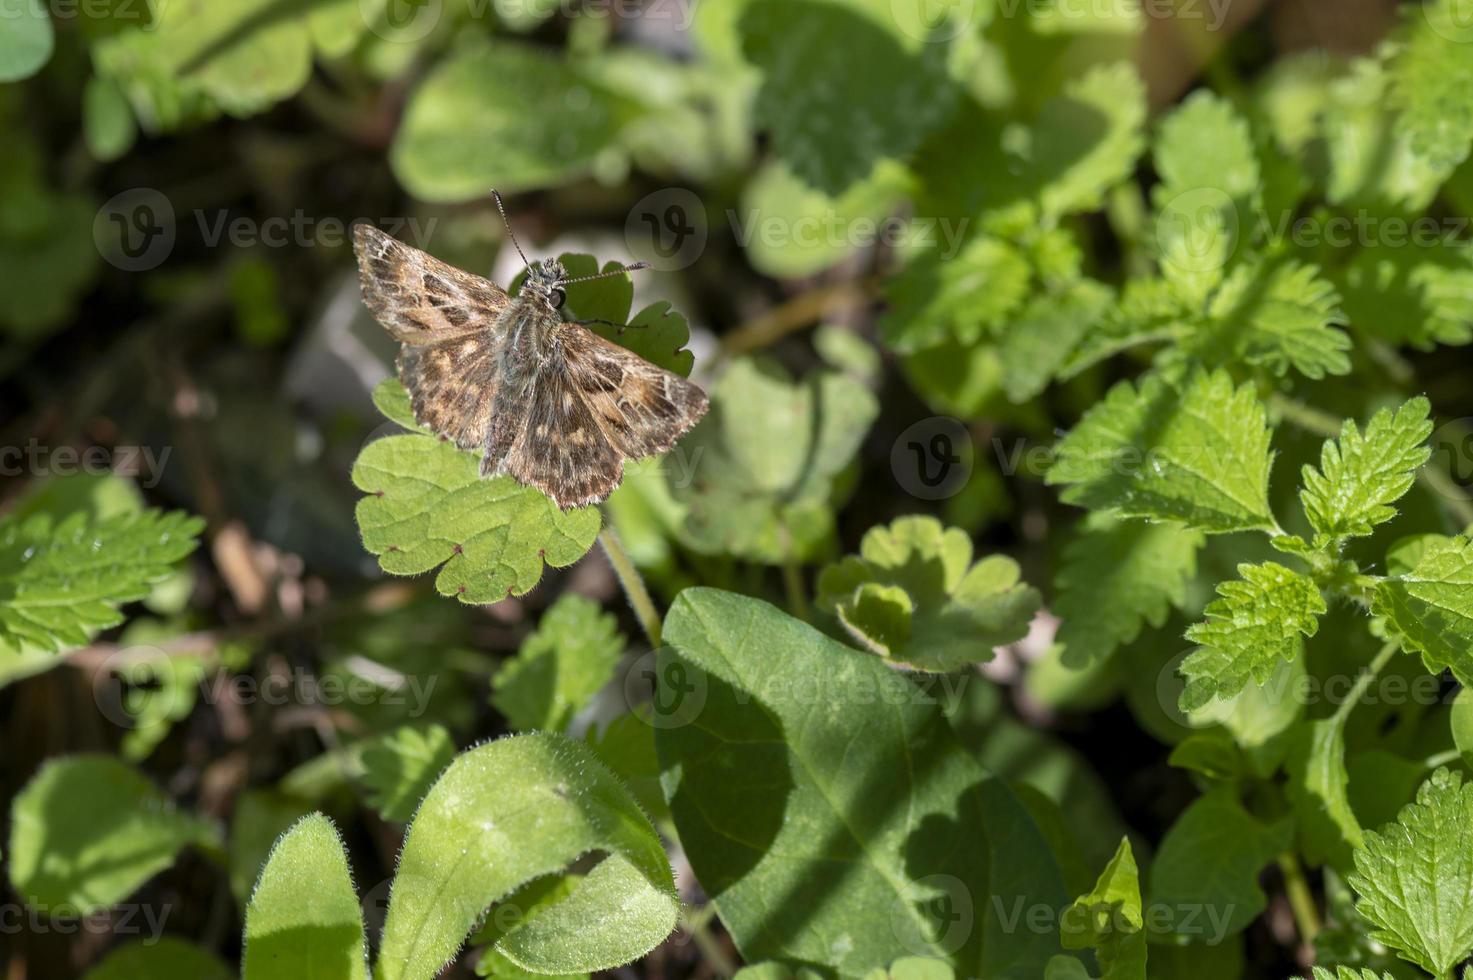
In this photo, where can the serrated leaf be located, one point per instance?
(1109, 920)
(1382, 279)
(429, 507)
(839, 91)
(1280, 315)
(400, 767)
(841, 781)
(1349, 973)
(1256, 624)
(62, 583)
(88, 830)
(1117, 576)
(1149, 311)
(1362, 474)
(1412, 876)
(1195, 451)
(1430, 608)
(303, 919)
(160, 958)
(1372, 162)
(1431, 74)
(946, 294)
(913, 595)
(505, 813)
(560, 667)
(1039, 340)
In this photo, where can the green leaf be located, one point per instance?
(261, 816)
(840, 89)
(1280, 315)
(560, 667)
(62, 583)
(26, 39)
(1088, 139)
(1109, 920)
(1431, 74)
(1372, 162)
(429, 506)
(503, 814)
(400, 767)
(107, 120)
(550, 123)
(946, 293)
(1362, 475)
(1412, 876)
(1206, 870)
(1149, 311)
(160, 958)
(88, 830)
(1348, 973)
(1327, 826)
(1461, 722)
(764, 464)
(828, 808)
(303, 920)
(913, 595)
(1430, 608)
(1255, 625)
(1117, 576)
(1196, 452)
(1038, 342)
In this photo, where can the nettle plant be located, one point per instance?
(1248, 542)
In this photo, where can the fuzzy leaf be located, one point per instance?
(400, 767)
(1413, 875)
(1256, 624)
(303, 919)
(62, 583)
(1362, 474)
(1279, 315)
(88, 830)
(560, 667)
(1430, 608)
(1116, 576)
(1196, 452)
(1109, 920)
(913, 595)
(503, 814)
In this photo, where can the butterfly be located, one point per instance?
(543, 399)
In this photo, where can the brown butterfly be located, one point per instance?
(542, 398)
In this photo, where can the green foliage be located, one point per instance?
(1429, 608)
(165, 959)
(26, 41)
(913, 595)
(1412, 876)
(400, 768)
(560, 667)
(1362, 475)
(1109, 920)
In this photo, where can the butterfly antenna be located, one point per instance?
(507, 221)
(603, 275)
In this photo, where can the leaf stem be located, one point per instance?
(1301, 899)
(794, 314)
(1363, 682)
(633, 583)
(797, 593)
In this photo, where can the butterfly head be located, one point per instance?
(544, 280)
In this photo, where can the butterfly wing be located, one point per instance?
(592, 406)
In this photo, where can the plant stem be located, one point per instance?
(1301, 899)
(694, 922)
(1363, 682)
(797, 594)
(633, 583)
(794, 314)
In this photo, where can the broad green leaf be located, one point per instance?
(303, 919)
(1412, 876)
(26, 38)
(1117, 576)
(1196, 452)
(828, 808)
(1430, 77)
(840, 91)
(429, 507)
(1280, 315)
(1206, 871)
(760, 472)
(560, 667)
(1258, 714)
(400, 767)
(536, 895)
(955, 293)
(1109, 920)
(160, 958)
(913, 595)
(1214, 754)
(511, 811)
(62, 582)
(1362, 474)
(549, 123)
(1037, 343)
(1430, 608)
(1256, 624)
(88, 830)
(1088, 139)
(1327, 826)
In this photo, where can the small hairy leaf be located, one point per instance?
(1430, 608)
(1255, 625)
(560, 667)
(1109, 920)
(511, 811)
(88, 830)
(62, 583)
(400, 767)
(1196, 452)
(1412, 876)
(913, 595)
(1362, 474)
(303, 919)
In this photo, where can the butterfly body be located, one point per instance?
(543, 399)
